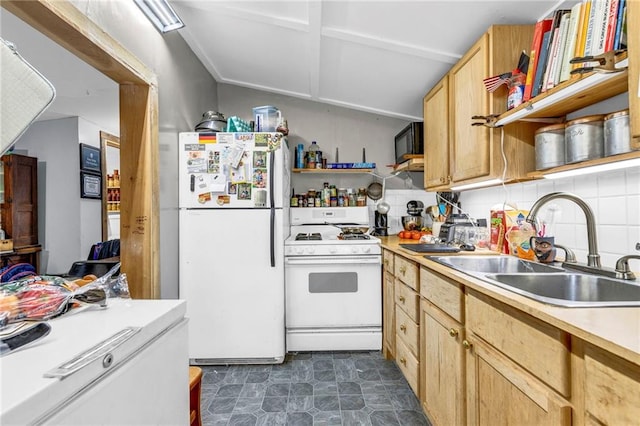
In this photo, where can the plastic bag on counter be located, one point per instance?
(41, 297)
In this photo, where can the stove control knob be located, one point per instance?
(333, 249)
(299, 250)
(354, 249)
(366, 249)
(311, 250)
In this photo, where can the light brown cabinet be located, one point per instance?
(407, 319)
(388, 306)
(476, 151)
(436, 136)
(457, 152)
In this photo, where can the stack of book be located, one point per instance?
(589, 28)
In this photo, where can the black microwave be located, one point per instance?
(409, 142)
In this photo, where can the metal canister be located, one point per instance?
(550, 148)
(584, 138)
(617, 136)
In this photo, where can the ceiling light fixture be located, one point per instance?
(160, 14)
(482, 184)
(634, 162)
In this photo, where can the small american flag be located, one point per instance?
(492, 83)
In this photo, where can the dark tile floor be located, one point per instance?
(311, 388)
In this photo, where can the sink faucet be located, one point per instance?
(593, 258)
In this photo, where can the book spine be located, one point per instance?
(553, 54)
(600, 26)
(542, 62)
(621, 9)
(540, 28)
(582, 29)
(611, 25)
(588, 41)
(562, 45)
(572, 35)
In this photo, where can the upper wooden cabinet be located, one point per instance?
(20, 206)
(458, 152)
(436, 135)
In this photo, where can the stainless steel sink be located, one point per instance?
(493, 264)
(571, 290)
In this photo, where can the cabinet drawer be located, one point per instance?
(445, 294)
(407, 271)
(408, 365)
(387, 261)
(541, 349)
(408, 300)
(407, 330)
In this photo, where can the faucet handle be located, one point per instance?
(569, 256)
(622, 267)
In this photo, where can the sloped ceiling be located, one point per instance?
(374, 56)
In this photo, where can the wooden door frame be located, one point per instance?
(63, 23)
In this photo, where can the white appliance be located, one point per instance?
(123, 365)
(333, 281)
(233, 223)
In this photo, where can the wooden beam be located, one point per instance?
(139, 203)
(63, 23)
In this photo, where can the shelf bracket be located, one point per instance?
(489, 120)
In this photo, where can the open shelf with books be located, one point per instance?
(580, 91)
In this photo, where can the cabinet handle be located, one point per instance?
(403, 361)
(453, 332)
(401, 298)
(403, 328)
(466, 344)
(403, 269)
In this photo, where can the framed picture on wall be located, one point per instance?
(90, 160)
(90, 185)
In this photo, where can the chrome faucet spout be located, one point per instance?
(593, 258)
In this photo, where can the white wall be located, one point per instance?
(331, 126)
(67, 224)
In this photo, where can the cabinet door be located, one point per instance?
(20, 207)
(442, 362)
(499, 392)
(468, 97)
(388, 316)
(436, 135)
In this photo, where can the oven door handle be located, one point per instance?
(332, 260)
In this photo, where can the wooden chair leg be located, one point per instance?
(195, 386)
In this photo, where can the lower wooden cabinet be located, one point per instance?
(388, 316)
(611, 389)
(442, 367)
(500, 392)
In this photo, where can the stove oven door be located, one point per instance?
(333, 303)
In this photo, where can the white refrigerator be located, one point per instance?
(233, 192)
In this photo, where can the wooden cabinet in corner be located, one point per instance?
(457, 152)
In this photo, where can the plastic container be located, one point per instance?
(266, 118)
(584, 138)
(314, 156)
(617, 137)
(550, 150)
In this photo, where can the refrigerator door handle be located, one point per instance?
(272, 219)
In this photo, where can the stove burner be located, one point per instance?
(353, 236)
(315, 236)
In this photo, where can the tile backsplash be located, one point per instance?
(614, 198)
